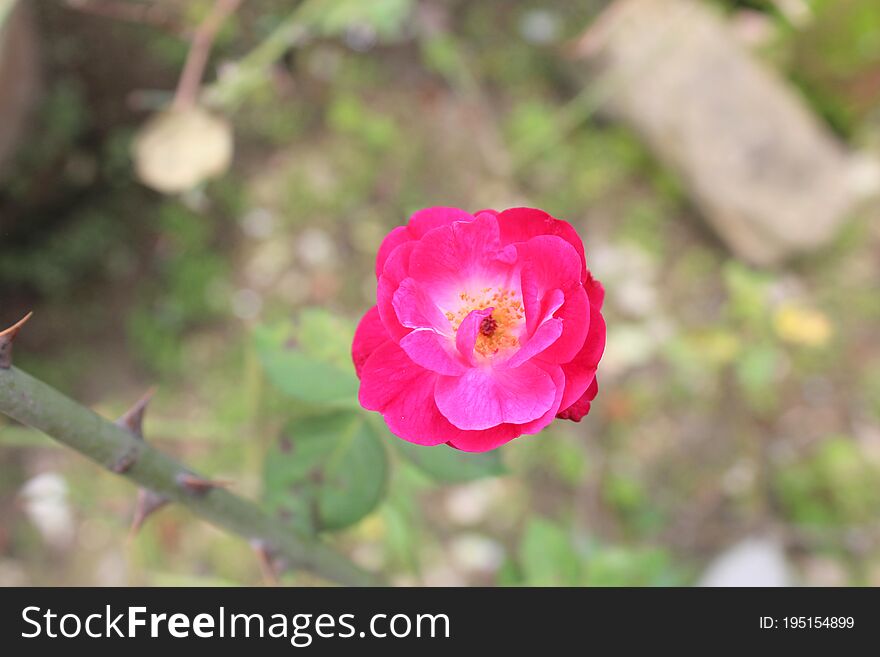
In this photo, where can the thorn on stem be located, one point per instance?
(7, 337)
(148, 503)
(269, 562)
(133, 418)
(198, 485)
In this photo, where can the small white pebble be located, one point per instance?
(46, 506)
(540, 26)
(246, 304)
(476, 553)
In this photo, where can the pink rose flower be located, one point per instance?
(486, 327)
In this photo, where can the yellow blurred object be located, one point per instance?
(718, 347)
(179, 149)
(372, 527)
(802, 326)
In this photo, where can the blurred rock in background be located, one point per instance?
(766, 174)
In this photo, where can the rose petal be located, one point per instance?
(483, 398)
(581, 370)
(547, 334)
(423, 221)
(468, 330)
(419, 224)
(539, 306)
(595, 291)
(370, 333)
(404, 393)
(548, 264)
(395, 272)
(392, 240)
(427, 348)
(581, 407)
(551, 261)
(522, 224)
(555, 372)
(415, 308)
(482, 441)
(575, 314)
(448, 259)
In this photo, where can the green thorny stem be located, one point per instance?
(120, 448)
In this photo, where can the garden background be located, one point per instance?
(738, 416)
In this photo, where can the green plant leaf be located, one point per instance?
(326, 337)
(449, 465)
(326, 472)
(547, 556)
(305, 366)
(333, 17)
(618, 565)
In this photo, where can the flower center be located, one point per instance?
(500, 330)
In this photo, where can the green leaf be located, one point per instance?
(309, 380)
(333, 17)
(547, 556)
(310, 361)
(756, 373)
(326, 472)
(449, 465)
(618, 565)
(326, 337)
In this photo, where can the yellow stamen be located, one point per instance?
(507, 317)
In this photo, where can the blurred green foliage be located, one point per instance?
(549, 557)
(326, 472)
(310, 364)
(187, 269)
(449, 465)
(836, 60)
(334, 17)
(835, 486)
